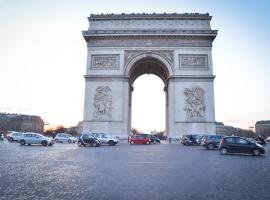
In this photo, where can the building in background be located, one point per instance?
(21, 123)
(263, 128)
(230, 130)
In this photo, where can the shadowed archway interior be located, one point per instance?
(149, 65)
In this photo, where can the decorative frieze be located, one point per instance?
(194, 103)
(191, 61)
(103, 103)
(166, 54)
(110, 61)
(153, 41)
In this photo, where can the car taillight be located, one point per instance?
(222, 141)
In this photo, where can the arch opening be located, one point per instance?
(149, 108)
(149, 65)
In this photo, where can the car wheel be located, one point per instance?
(69, 141)
(256, 152)
(44, 143)
(210, 146)
(10, 139)
(111, 143)
(155, 142)
(94, 144)
(147, 142)
(22, 142)
(223, 151)
(56, 140)
(131, 142)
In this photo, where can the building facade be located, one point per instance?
(21, 123)
(263, 128)
(175, 47)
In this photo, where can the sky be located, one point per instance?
(43, 58)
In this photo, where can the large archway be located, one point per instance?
(148, 65)
(175, 47)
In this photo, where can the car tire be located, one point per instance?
(210, 146)
(155, 142)
(223, 151)
(10, 139)
(94, 144)
(56, 140)
(256, 152)
(111, 143)
(131, 142)
(147, 142)
(69, 141)
(80, 144)
(44, 143)
(22, 142)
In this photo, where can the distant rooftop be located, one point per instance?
(264, 122)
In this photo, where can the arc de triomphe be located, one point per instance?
(175, 47)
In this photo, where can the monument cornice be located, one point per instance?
(152, 34)
(130, 16)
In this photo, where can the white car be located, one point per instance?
(15, 136)
(64, 137)
(105, 139)
(36, 138)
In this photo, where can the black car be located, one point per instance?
(88, 139)
(211, 141)
(235, 144)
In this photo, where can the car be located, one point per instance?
(87, 139)
(36, 138)
(15, 136)
(105, 139)
(211, 142)
(235, 144)
(64, 137)
(139, 139)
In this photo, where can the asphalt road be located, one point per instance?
(161, 171)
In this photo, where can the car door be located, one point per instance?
(243, 146)
(37, 139)
(231, 145)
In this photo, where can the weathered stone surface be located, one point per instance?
(175, 47)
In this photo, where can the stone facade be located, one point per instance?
(175, 47)
(21, 123)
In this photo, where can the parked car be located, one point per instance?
(87, 139)
(64, 137)
(15, 136)
(105, 139)
(139, 139)
(36, 138)
(211, 141)
(235, 144)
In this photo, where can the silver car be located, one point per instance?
(14, 136)
(36, 138)
(106, 139)
(64, 137)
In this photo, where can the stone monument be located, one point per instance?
(175, 47)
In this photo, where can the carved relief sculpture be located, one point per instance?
(105, 62)
(193, 61)
(195, 103)
(103, 103)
